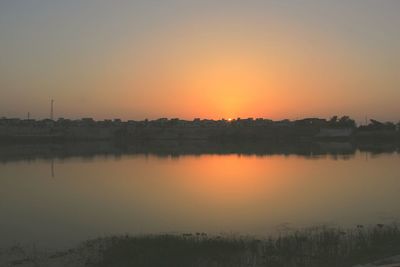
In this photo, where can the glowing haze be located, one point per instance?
(213, 59)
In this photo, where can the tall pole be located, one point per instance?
(52, 110)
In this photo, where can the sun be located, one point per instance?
(229, 119)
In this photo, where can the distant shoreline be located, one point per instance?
(304, 130)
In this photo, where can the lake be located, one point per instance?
(59, 202)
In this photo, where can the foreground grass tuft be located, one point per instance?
(320, 246)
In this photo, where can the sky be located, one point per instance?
(208, 58)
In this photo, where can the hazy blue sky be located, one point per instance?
(148, 59)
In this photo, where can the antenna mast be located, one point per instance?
(52, 110)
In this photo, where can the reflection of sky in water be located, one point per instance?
(210, 193)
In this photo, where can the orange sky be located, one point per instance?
(201, 59)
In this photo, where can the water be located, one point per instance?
(61, 202)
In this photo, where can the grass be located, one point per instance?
(320, 246)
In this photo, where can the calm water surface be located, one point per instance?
(58, 203)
